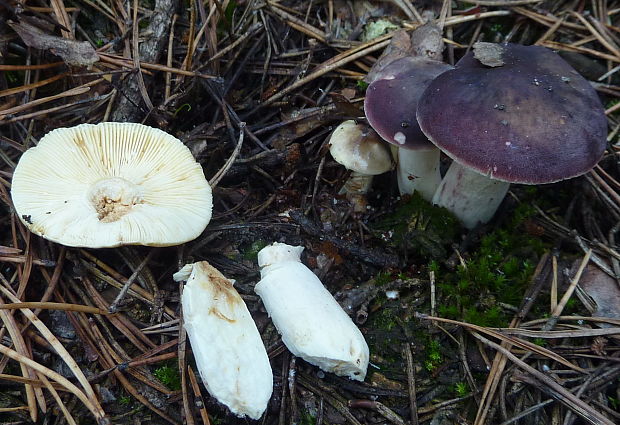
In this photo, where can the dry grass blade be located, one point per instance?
(53, 306)
(41, 83)
(72, 92)
(218, 176)
(33, 382)
(107, 360)
(63, 353)
(330, 65)
(5, 68)
(574, 403)
(526, 345)
(20, 346)
(59, 401)
(196, 388)
(95, 410)
(581, 333)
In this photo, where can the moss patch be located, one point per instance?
(169, 375)
(497, 272)
(419, 227)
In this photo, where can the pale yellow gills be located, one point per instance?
(111, 184)
(228, 349)
(312, 323)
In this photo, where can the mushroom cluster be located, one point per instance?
(509, 114)
(505, 113)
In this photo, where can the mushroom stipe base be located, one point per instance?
(114, 197)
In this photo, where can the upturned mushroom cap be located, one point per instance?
(359, 149)
(526, 117)
(391, 100)
(111, 184)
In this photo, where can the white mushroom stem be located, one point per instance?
(312, 323)
(227, 346)
(472, 197)
(418, 171)
(355, 189)
(356, 184)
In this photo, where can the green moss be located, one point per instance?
(497, 272)
(383, 278)
(124, 400)
(433, 355)
(385, 335)
(420, 227)
(251, 252)
(143, 23)
(461, 389)
(168, 374)
(14, 78)
(497, 28)
(362, 86)
(385, 319)
(307, 418)
(229, 12)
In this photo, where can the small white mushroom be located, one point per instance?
(227, 346)
(312, 323)
(111, 184)
(360, 149)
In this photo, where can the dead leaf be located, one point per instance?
(79, 53)
(489, 54)
(425, 42)
(603, 290)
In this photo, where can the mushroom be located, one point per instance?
(358, 148)
(390, 105)
(227, 346)
(312, 323)
(509, 114)
(111, 184)
(397, 80)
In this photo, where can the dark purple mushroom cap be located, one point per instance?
(532, 120)
(391, 100)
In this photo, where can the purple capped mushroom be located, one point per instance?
(390, 105)
(509, 114)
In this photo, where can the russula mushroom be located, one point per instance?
(111, 184)
(390, 105)
(358, 148)
(227, 346)
(509, 114)
(397, 80)
(312, 323)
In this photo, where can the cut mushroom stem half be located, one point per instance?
(312, 323)
(472, 197)
(227, 346)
